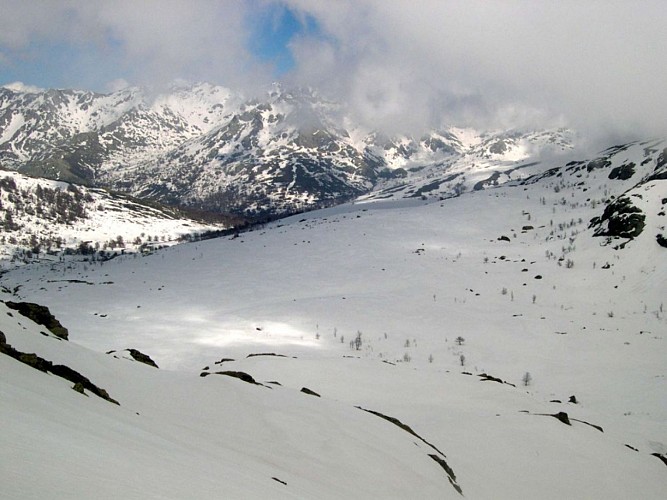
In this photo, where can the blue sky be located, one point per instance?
(271, 33)
(261, 38)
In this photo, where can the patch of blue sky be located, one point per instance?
(271, 30)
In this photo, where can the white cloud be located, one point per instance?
(152, 41)
(597, 64)
(116, 85)
(22, 87)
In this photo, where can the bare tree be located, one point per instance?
(526, 379)
(357, 341)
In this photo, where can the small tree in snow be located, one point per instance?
(357, 341)
(526, 379)
(459, 340)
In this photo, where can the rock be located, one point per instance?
(33, 360)
(240, 375)
(620, 219)
(40, 315)
(662, 240)
(142, 358)
(305, 390)
(3, 339)
(623, 173)
(563, 417)
(662, 458)
(573, 399)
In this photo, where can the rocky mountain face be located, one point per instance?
(208, 148)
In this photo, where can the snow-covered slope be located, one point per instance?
(449, 163)
(46, 219)
(538, 281)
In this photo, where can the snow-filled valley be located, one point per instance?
(488, 346)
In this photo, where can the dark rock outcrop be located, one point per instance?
(142, 358)
(305, 390)
(37, 362)
(40, 315)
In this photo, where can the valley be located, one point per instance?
(480, 318)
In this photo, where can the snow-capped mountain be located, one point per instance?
(505, 343)
(75, 135)
(204, 146)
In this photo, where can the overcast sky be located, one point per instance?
(599, 66)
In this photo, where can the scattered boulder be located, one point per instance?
(662, 240)
(622, 173)
(486, 377)
(40, 315)
(142, 358)
(503, 238)
(620, 219)
(223, 360)
(573, 399)
(305, 390)
(563, 417)
(239, 375)
(662, 458)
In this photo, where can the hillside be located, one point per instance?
(46, 220)
(516, 331)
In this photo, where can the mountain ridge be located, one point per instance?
(204, 146)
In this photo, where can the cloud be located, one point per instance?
(147, 42)
(595, 65)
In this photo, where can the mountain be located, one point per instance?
(206, 147)
(504, 343)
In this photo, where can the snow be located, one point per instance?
(105, 218)
(16, 122)
(411, 276)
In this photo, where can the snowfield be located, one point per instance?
(454, 301)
